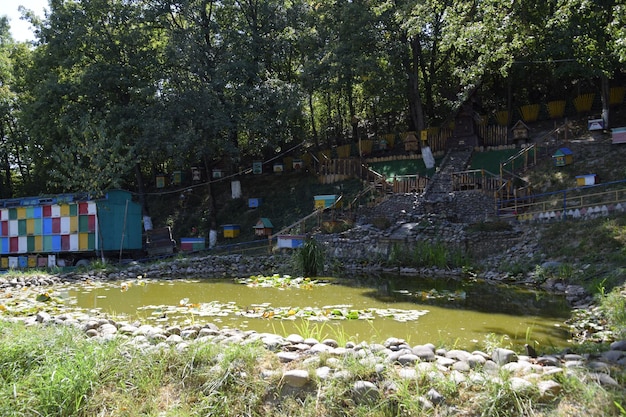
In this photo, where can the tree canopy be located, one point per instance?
(113, 92)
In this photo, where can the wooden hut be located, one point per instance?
(521, 132)
(562, 157)
(263, 227)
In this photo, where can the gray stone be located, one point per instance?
(521, 385)
(476, 360)
(502, 356)
(457, 377)
(107, 329)
(570, 357)
(323, 372)
(173, 339)
(548, 390)
(459, 355)
(286, 357)
(311, 341)
(424, 352)
(127, 329)
(604, 379)
(613, 355)
(173, 330)
(365, 392)
(295, 339)
(407, 373)
(619, 345)
(517, 368)
(320, 348)
(425, 404)
(461, 366)
(548, 360)
(434, 396)
(330, 342)
(597, 366)
(407, 359)
(574, 364)
(296, 378)
(481, 354)
(189, 334)
(43, 317)
(392, 341)
(443, 361)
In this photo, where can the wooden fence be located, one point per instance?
(335, 170)
(476, 179)
(409, 184)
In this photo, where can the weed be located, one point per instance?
(310, 258)
(613, 305)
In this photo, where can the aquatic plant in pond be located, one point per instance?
(269, 312)
(280, 281)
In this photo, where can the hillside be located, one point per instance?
(284, 198)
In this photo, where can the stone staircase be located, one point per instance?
(440, 185)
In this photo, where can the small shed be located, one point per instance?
(562, 157)
(521, 132)
(263, 227)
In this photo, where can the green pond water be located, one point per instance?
(416, 309)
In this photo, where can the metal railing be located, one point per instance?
(573, 202)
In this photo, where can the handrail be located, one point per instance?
(305, 218)
(291, 226)
(561, 201)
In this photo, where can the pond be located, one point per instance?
(419, 310)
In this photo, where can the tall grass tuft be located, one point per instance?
(613, 305)
(310, 258)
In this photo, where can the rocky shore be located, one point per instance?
(305, 360)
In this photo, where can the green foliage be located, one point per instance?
(613, 305)
(428, 254)
(310, 258)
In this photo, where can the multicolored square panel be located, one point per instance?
(49, 228)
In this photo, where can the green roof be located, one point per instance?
(264, 223)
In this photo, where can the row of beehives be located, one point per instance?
(583, 213)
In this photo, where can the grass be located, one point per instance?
(57, 371)
(309, 258)
(427, 254)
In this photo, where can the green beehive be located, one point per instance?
(119, 222)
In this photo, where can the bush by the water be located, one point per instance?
(310, 258)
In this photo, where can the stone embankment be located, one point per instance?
(307, 361)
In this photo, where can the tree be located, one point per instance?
(17, 155)
(589, 34)
(93, 85)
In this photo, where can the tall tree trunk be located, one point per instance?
(8, 191)
(211, 208)
(313, 125)
(141, 191)
(606, 100)
(411, 64)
